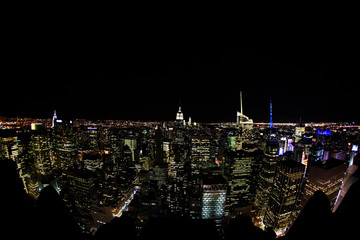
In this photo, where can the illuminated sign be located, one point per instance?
(355, 148)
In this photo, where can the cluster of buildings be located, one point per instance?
(183, 169)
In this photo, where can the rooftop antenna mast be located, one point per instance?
(241, 106)
(271, 120)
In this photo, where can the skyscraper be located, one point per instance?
(180, 118)
(285, 196)
(243, 121)
(238, 169)
(325, 176)
(213, 197)
(159, 171)
(271, 120)
(54, 119)
(40, 152)
(266, 176)
(81, 193)
(200, 153)
(63, 145)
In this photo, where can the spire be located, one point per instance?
(54, 118)
(271, 121)
(241, 106)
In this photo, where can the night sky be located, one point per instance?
(139, 75)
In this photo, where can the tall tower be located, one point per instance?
(266, 176)
(241, 106)
(284, 201)
(54, 118)
(271, 121)
(243, 121)
(179, 115)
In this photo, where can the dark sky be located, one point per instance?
(96, 73)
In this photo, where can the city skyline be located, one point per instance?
(122, 127)
(150, 84)
(108, 171)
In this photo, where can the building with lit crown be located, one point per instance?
(243, 121)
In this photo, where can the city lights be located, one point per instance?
(201, 172)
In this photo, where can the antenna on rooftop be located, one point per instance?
(241, 106)
(271, 121)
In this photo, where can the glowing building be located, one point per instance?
(284, 200)
(54, 118)
(244, 122)
(63, 145)
(180, 118)
(238, 169)
(326, 176)
(214, 191)
(299, 132)
(179, 115)
(81, 193)
(200, 153)
(266, 176)
(40, 151)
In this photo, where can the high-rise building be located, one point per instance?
(180, 118)
(54, 118)
(9, 147)
(63, 145)
(271, 119)
(326, 176)
(214, 190)
(243, 121)
(159, 171)
(238, 169)
(159, 152)
(81, 193)
(266, 176)
(179, 115)
(40, 152)
(284, 200)
(200, 153)
(299, 131)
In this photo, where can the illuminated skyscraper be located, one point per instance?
(244, 122)
(180, 118)
(285, 196)
(271, 120)
(81, 194)
(54, 119)
(63, 145)
(299, 131)
(238, 169)
(40, 151)
(266, 176)
(159, 171)
(200, 153)
(214, 191)
(179, 115)
(326, 176)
